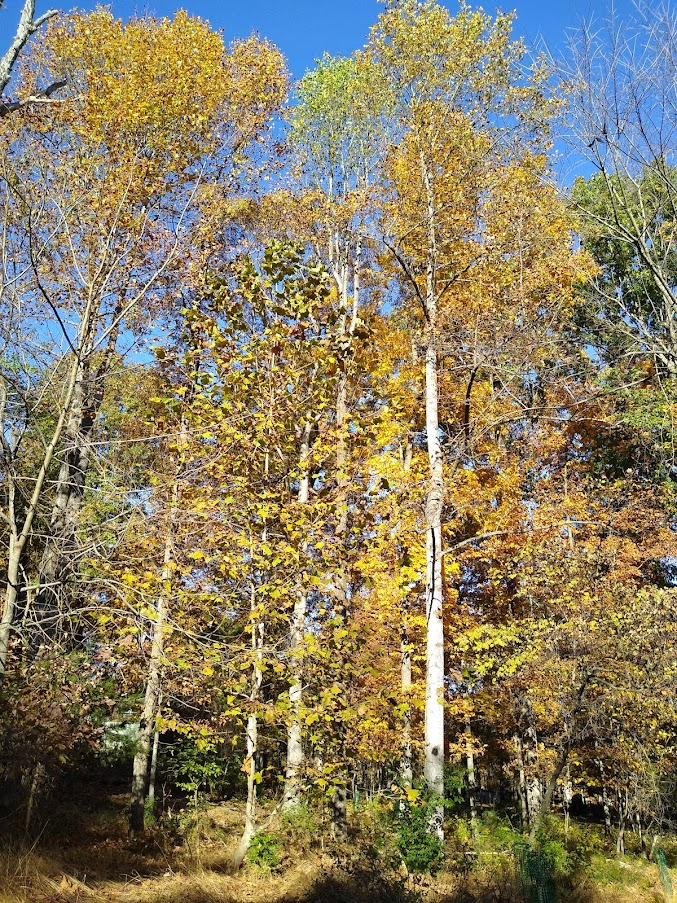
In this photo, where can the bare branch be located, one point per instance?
(27, 26)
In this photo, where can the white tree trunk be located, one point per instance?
(148, 723)
(295, 757)
(406, 768)
(249, 830)
(434, 694)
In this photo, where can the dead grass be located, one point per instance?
(83, 855)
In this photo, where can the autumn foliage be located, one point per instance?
(327, 450)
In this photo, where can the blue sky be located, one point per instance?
(305, 29)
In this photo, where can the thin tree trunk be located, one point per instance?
(153, 767)
(521, 783)
(348, 323)
(544, 807)
(295, 757)
(19, 535)
(59, 553)
(622, 801)
(470, 769)
(257, 631)
(406, 770)
(36, 781)
(606, 805)
(148, 724)
(566, 801)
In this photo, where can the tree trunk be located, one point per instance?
(348, 323)
(567, 797)
(295, 757)
(470, 771)
(434, 691)
(19, 536)
(544, 806)
(153, 765)
(406, 770)
(148, 723)
(622, 802)
(434, 695)
(11, 594)
(521, 783)
(62, 548)
(249, 830)
(606, 805)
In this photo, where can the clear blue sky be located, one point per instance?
(305, 29)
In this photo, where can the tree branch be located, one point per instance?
(27, 26)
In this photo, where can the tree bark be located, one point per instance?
(153, 763)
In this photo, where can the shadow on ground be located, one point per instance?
(360, 886)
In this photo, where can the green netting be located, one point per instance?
(535, 875)
(666, 880)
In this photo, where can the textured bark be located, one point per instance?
(528, 750)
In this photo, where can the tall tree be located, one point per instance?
(464, 114)
(100, 198)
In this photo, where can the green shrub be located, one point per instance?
(264, 851)
(454, 786)
(301, 825)
(420, 850)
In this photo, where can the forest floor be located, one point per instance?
(82, 854)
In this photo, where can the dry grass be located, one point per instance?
(84, 855)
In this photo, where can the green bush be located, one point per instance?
(378, 831)
(420, 850)
(301, 825)
(264, 851)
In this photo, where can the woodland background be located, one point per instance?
(338, 458)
